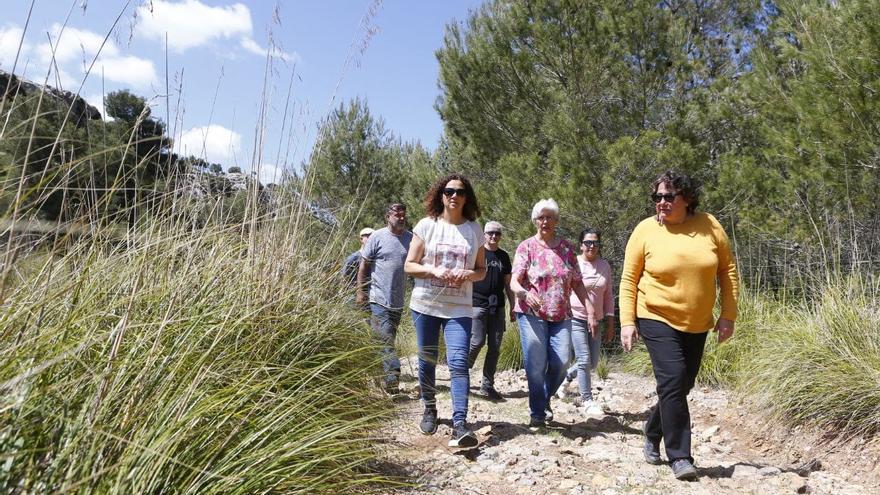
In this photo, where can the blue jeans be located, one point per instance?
(384, 322)
(586, 353)
(457, 334)
(546, 346)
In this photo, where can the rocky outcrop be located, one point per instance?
(12, 87)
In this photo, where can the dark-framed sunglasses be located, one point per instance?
(451, 191)
(494, 233)
(668, 197)
(591, 243)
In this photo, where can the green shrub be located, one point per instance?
(187, 361)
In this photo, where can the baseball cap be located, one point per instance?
(366, 231)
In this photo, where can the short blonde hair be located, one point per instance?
(545, 204)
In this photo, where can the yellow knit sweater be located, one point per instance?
(669, 274)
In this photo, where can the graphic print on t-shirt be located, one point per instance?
(451, 256)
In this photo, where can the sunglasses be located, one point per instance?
(397, 207)
(668, 197)
(494, 233)
(591, 243)
(451, 191)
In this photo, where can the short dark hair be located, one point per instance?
(434, 199)
(683, 183)
(590, 230)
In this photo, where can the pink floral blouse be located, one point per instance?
(549, 273)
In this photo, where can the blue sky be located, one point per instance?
(381, 51)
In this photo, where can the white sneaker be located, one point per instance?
(561, 392)
(592, 409)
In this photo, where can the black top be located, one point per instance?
(497, 266)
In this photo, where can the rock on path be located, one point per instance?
(579, 455)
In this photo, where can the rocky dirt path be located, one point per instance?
(734, 450)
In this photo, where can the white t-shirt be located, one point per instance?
(450, 246)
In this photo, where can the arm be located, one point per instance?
(361, 294)
(510, 297)
(413, 266)
(608, 304)
(633, 265)
(728, 280)
(520, 266)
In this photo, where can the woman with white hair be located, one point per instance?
(545, 272)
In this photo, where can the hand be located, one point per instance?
(360, 299)
(594, 328)
(724, 327)
(629, 335)
(512, 315)
(534, 301)
(441, 272)
(459, 275)
(609, 330)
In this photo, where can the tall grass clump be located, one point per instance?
(510, 357)
(821, 365)
(214, 360)
(722, 364)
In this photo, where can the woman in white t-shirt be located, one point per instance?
(445, 257)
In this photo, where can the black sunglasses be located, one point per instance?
(591, 243)
(494, 233)
(451, 191)
(668, 197)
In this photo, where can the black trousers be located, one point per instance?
(488, 324)
(676, 357)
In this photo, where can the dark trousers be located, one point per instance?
(488, 325)
(676, 357)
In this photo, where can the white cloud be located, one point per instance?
(10, 37)
(78, 47)
(252, 46)
(191, 23)
(133, 71)
(214, 143)
(270, 174)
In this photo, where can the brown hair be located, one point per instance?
(434, 201)
(683, 183)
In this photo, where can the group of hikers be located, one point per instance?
(561, 297)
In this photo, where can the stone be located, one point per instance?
(744, 471)
(711, 431)
(769, 471)
(568, 484)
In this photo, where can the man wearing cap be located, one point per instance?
(489, 316)
(381, 269)
(352, 262)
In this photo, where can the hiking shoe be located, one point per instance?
(592, 409)
(428, 425)
(491, 393)
(684, 470)
(462, 436)
(652, 452)
(536, 424)
(561, 391)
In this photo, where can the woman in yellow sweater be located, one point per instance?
(667, 293)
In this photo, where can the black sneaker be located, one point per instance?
(462, 436)
(428, 425)
(684, 470)
(536, 424)
(491, 393)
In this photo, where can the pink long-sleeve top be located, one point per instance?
(596, 276)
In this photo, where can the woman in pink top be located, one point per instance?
(545, 272)
(596, 276)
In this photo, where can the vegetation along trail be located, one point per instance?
(735, 452)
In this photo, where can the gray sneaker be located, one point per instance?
(428, 424)
(462, 436)
(652, 452)
(684, 470)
